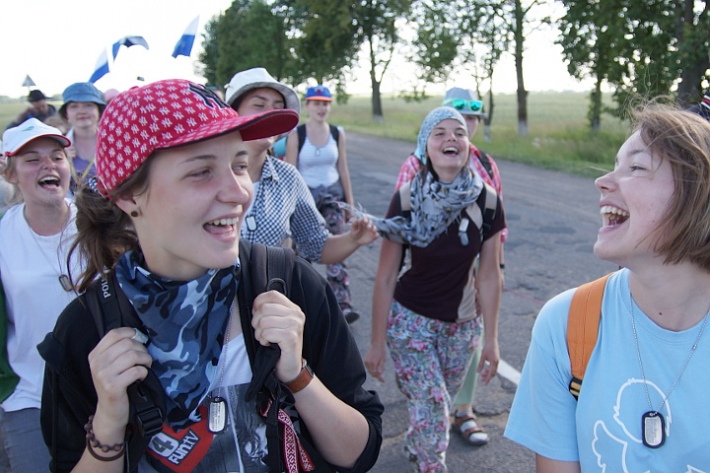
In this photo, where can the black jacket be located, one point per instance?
(69, 397)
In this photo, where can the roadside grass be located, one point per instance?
(559, 136)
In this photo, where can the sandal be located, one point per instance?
(469, 429)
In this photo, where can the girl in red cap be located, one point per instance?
(172, 189)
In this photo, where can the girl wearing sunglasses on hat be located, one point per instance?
(173, 187)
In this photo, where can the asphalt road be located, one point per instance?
(553, 219)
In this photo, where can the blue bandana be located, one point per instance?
(185, 321)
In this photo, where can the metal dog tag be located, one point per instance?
(66, 283)
(217, 415)
(653, 427)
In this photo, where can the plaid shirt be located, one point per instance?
(283, 207)
(412, 165)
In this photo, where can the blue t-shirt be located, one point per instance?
(603, 429)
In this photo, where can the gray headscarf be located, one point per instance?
(435, 117)
(435, 204)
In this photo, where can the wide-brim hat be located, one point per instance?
(82, 92)
(31, 129)
(257, 78)
(168, 114)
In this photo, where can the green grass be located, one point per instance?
(559, 136)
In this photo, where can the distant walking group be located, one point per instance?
(159, 311)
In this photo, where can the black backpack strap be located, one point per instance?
(486, 162)
(269, 268)
(111, 309)
(335, 133)
(301, 130)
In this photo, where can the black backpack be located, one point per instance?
(270, 268)
(301, 130)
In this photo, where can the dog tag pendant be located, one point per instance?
(66, 283)
(463, 226)
(653, 427)
(217, 414)
(251, 223)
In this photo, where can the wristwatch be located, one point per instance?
(302, 380)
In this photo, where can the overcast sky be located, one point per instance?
(57, 42)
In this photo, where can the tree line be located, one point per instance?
(640, 48)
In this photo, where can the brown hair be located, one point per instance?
(683, 139)
(104, 231)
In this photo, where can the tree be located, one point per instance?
(248, 34)
(590, 35)
(643, 49)
(376, 25)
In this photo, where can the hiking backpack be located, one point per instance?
(270, 268)
(583, 318)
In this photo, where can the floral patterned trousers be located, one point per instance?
(430, 358)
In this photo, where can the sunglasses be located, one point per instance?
(461, 104)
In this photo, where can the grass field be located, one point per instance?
(559, 136)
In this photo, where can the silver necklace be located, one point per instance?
(63, 278)
(653, 424)
(217, 411)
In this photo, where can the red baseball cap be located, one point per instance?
(167, 114)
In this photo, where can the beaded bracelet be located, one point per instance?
(92, 443)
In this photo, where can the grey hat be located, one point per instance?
(466, 101)
(82, 92)
(257, 78)
(435, 117)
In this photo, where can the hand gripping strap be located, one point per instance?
(583, 328)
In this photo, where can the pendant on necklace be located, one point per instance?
(217, 415)
(653, 427)
(66, 283)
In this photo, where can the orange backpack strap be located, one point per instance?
(583, 328)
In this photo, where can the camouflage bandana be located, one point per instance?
(185, 321)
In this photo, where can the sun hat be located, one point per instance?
(319, 92)
(435, 117)
(82, 92)
(466, 101)
(257, 78)
(35, 96)
(16, 137)
(167, 114)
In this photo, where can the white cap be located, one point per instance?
(257, 78)
(16, 137)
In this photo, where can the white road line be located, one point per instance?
(508, 372)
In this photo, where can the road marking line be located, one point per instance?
(508, 372)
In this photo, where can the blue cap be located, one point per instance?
(82, 92)
(319, 92)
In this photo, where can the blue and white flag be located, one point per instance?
(101, 68)
(128, 41)
(184, 44)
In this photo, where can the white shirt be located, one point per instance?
(30, 266)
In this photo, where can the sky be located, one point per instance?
(58, 42)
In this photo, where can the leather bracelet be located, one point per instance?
(303, 379)
(92, 443)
